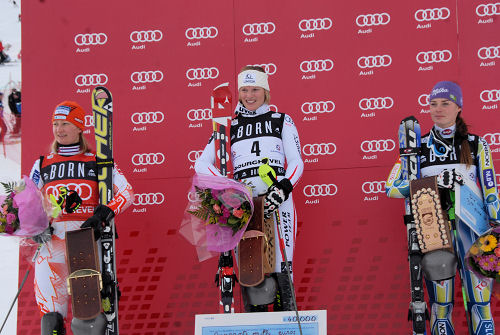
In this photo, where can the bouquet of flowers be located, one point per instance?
(483, 257)
(217, 215)
(22, 212)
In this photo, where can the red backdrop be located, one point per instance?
(346, 73)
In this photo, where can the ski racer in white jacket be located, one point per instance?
(258, 133)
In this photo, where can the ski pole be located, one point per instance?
(285, 259)
(15, 299)
(20, 288)
(268, 175)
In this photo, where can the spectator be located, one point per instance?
(3, 126)
(15, 108)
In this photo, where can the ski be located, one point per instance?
(409, 149)
(102, 108)
(222, 111)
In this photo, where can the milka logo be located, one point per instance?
(440, 90)
(488, 178)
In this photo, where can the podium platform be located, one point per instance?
(269, 323)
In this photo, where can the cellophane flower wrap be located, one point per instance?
(22, 211)
(217, 214)
(483, 257)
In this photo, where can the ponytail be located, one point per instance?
(462, 132)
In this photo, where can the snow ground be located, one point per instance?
(10, 160)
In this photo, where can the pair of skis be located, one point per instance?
(94, 288)
(409, 149)
(221, 103)
(102, 109)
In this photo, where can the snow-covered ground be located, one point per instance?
(10, 160)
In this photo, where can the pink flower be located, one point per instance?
(14, 203)
(488, 262)
(497, 251)
(10, 218)
(9, 229)
(238, 213)
(4, 209)
(217, 209)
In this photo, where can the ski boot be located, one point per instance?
(52, 324)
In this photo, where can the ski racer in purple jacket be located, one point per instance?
(450, 152)
(258, 133)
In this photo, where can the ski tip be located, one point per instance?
(409, 118)
(222, 85)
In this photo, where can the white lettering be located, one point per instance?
(71, 167)
(250, 40)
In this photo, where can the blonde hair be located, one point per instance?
(267, 94)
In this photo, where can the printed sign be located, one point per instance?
(276, 323)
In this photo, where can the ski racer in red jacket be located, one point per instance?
(70, 164)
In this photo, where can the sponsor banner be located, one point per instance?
(346, 75)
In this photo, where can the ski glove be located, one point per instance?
(102, 214)
(44, 237)
(447, 179)
(276, 195)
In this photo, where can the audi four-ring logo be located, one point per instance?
(488, 9)
(369, 187)
(91, 79)
(315, 24)
(492, 138)
(269, 68)
(146, 77)
(423, 100)
(151, 158)
(436, 56)
(320, 190)
(193, 155)
(148, 199)
(378, 145)
(146, 36)
(83, 190)
(91, 39)
(489, 52)
(198, 33)
(374, 61)
(259, 28)
(490, 95)
(147, 117)
(319, 149)
(202, 73)
(89, 121)
(317, 107)
(430, 14)
(199, 114)
(316, 65)
(193, 197)
(376, 103)
(376, 19)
